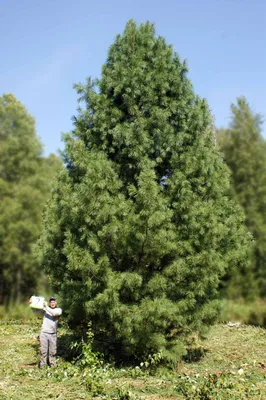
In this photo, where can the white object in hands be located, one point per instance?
(37, 302)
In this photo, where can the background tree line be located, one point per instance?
(244, 151)
(26, 179)
(145, 224)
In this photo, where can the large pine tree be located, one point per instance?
(25, 182)
(139, 229)
(244, 150)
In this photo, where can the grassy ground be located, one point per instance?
(229, 364)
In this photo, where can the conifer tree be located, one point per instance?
(244, 150)
(25, 183)
(139, 229)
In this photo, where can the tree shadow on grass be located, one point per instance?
(195, 354)
(67, 347)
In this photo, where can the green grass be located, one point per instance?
(229, 364)
(251, 313)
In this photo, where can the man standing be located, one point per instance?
(48, 336)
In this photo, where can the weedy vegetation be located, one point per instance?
(228, 364)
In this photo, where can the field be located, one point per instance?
(228, 364)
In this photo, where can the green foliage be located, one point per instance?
(140, 229)
(89, 362)
(25, 182)
(244, 151)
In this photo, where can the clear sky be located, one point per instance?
(47, 46)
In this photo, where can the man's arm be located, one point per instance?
(55, 312)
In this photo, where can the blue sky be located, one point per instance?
(47, 46)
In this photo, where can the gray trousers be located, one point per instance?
(48, 347)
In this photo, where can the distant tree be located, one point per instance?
(139, 229)
(25, 182)
(244, 150)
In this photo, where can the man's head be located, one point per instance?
(52, 302)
